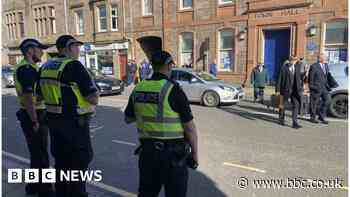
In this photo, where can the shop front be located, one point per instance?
(107, 59)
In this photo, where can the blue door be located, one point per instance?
(276, 51)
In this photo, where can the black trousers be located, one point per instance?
(319, 103)
(259, 93)
(295, 99)
(72, 150)
(37, 143)
(157, 170)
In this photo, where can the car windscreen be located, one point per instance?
(206, 76)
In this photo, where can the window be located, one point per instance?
(44, 20)
(147, 7)
(79, 22)
(21, 24)
(336, 33)
(226, 62)
(184, 76)
(14, 22)
(225, 2)
(186, 48)
(102, 18)
(52, 19)
(336, 39)
(114, 18)
(186, 4)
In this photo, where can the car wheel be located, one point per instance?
(339, 106)
(211, 99)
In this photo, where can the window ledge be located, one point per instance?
(181, 10)
(147, 16)
(222, 5)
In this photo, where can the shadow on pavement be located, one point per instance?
(251, 116)
(201, 185)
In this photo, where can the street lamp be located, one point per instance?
(242, 35)
(312, 30)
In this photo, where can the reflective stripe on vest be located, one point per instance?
(18, 86)
(154, 117)
(50, 84)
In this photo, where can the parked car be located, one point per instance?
(205, 88)
(107, 85)
(339, 95)
(7, 76)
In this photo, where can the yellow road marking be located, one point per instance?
(244, 167)
(344, 188)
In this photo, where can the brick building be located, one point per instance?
(236, 34)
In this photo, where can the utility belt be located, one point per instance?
(179, 149)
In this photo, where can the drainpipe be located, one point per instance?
(65, 16)
(91, 7)
(163, 32)
(123, 6)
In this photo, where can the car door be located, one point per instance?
(190, 87)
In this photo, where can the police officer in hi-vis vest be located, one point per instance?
(32, 115)
(70, 96)
(167, 133)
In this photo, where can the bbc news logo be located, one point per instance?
(49, 175)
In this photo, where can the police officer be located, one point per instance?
(32, 115)
(70, 96)
(166, 131)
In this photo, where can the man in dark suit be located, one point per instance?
(319, 89)
(289, 85)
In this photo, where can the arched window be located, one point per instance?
(225, 51)
(186, 48)
(336, 39)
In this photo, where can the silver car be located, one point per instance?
(339, 95)
(205, 88)
(7, 77)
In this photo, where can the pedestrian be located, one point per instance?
(128, 73)
(32, 114)
(71, 97)
(319, 90)
(144, 70)
(166, 130)
(133, 70)
(305, 98)
(213, 68)
(259, 78)
(289, 86)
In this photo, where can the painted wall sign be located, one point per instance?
(279, 13)
(311, 46)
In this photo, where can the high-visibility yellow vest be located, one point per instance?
(154, 117)
(50, 85)
(18, 86)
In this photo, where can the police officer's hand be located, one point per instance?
(36, 126)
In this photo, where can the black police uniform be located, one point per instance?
(70, 132)
(37, 142)
(156, 158)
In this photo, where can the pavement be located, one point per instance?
(238, 146)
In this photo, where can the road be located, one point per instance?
(234, 141)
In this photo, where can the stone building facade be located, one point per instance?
(236, 34)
